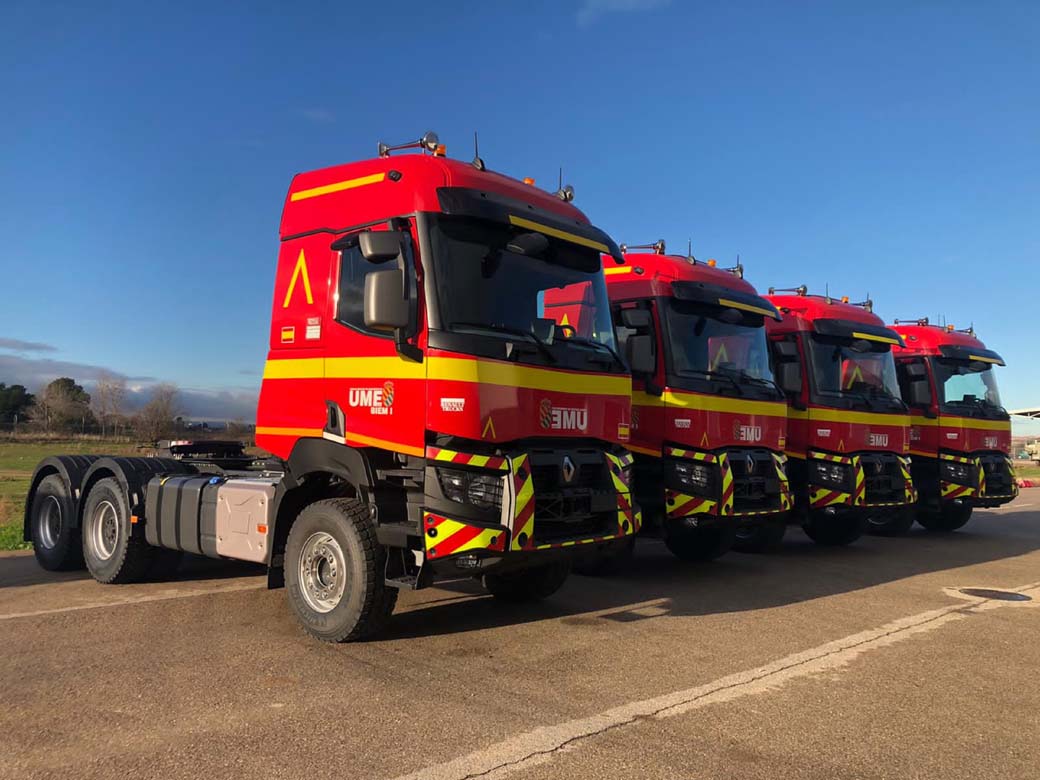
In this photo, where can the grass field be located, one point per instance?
(18, 458)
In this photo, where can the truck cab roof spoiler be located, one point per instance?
(465, 201)
(957, 352)
(717, 295)
(849, 329)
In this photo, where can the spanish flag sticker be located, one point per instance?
(288, 334)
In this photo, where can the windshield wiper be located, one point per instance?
(749, 377)
(586, 342)
(509, 329)
(868, 390)
(709, 375)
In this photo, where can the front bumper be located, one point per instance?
(541, 511)
(744, 486)
(873, 480)
(981, 480)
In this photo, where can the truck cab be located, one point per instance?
(708, 421)
(848, 428)
(429, 418)
(960, 434)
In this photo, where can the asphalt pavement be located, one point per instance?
(862, 662)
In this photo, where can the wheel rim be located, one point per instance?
(103, 534)
(49, 523)
(323, 572)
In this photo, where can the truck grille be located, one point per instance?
(756, 487)
(884, 482)
(998, 475)
(584, 507)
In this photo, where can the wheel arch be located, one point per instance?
(132, 474)
(316, 469)
(71, 469)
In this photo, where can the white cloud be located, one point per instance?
(17, 345)
(593, 10)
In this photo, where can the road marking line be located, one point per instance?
(522, 751)
(162, 596)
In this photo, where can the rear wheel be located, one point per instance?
(834, 531)
(950, 517)
(761, 537)
(699, 544)
(56, 543)
(532, 584)
(896, 523)
(334, 572)
(110, 550)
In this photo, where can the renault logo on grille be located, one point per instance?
(749, 463)
(568, 469)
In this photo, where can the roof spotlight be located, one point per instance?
(565, 193)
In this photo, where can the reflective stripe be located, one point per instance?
(339, 186)
(550, 231)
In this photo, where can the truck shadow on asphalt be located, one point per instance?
(22, 570)
(659, 585)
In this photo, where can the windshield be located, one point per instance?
(964, 384)
(856, 370)
(702, 343)
(508, 281)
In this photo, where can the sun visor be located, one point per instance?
(717, 295)
(847, 329)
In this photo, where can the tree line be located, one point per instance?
(64, 406)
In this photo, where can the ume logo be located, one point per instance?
(747, 432)
(378, 400)
(877, 439)
(562, 418)
(990, 442)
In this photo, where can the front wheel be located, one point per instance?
(761, 537)
(834, 531)
(896, 523)
(532, 584)
(697, 545)
(334, 572)
(950, 517)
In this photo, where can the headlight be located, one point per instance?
(958, 472)
(832, 474)
(694, 476)
(481, 490)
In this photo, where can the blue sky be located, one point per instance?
(146, 150)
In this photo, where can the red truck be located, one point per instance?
(960, 435)
(848, 429)
(708, 421)
(428, 419)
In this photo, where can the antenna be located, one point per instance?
(477, 162)
(689, 251)
(827, 292)
(560, 185)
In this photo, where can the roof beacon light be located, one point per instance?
(657, 247)
(712, 262)
(529, 181)
(429, 142)
(844, 299)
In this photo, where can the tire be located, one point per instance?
(335, 572)
(56, 543)
(698, 545)
(527, 585)
(761, 537)
(896, 523)
(949, 518)
(110, 550)
(834, 531)
(605, 564)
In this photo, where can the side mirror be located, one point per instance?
(920, 393)
(789, 377)
(636, 319)
(380, 246)
(386, 305)
(639, 351)
(785, 349)
(916, 370)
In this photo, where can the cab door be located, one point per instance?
(374, 396)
